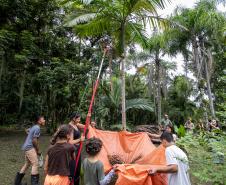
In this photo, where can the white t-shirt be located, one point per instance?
(175, 155)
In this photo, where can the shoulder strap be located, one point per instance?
(72, 126)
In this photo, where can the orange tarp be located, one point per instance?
(130, 146)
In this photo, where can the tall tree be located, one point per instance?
(203, 26)
(123, 20)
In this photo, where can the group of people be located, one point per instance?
(60, 162)
(189, 126)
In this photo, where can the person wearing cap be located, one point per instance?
(31, 151)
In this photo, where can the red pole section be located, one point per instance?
(89, 113)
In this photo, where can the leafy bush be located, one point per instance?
(206, 153)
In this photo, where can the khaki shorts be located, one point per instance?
(31, 159)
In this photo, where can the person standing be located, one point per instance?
(31, 150)
(189, 126)
(76, 138)
(92, 167)
(214, 125)
(165, 121)
(58, 157)
(177, 162)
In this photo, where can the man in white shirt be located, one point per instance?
(177, 163)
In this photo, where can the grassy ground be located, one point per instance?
(12, 158)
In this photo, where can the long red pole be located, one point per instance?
(89, 113)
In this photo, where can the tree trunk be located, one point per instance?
(209, 89)
(205, 60)
(21, 91)
(123, 54)
(1, 72)
(195, 54)
(157, 63)
(110, 70)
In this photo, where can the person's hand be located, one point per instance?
(89, 114)
(82, 138)
(115, 167)
(152, 171)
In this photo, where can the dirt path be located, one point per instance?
(12, 158)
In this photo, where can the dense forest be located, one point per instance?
(50, 54)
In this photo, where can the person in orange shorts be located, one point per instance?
(58, 156)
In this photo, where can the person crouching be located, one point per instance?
(58, 157)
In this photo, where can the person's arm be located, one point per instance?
(172, 164)
(107, 178)
(46, 164)
(173, 168)
(36, 146)
(76, 141)
(154, 135)
(80, 126)
(27, 130)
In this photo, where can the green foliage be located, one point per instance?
(206, 153)
(110, 104)
(178, 104)
(180, 131)
(41, 70)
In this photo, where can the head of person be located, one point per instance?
(39, 119)
(93, 124)
(167, 139)
(169, 128)
(75, 117)
(62, 133)
(214, 122)
(166, 116)
(93, 146)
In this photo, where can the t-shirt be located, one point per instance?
(34, 132)
(93, 172)
(166, 122)
(59, 157)
(175, 155)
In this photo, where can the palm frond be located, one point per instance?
(139, 103)
(137, 33)
(80, 19)
(95, 27)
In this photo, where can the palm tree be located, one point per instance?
(123, 20)
(156, 48)
(203, 27)
(110, 103)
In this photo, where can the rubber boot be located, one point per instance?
(35, 179)
(18, 179)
